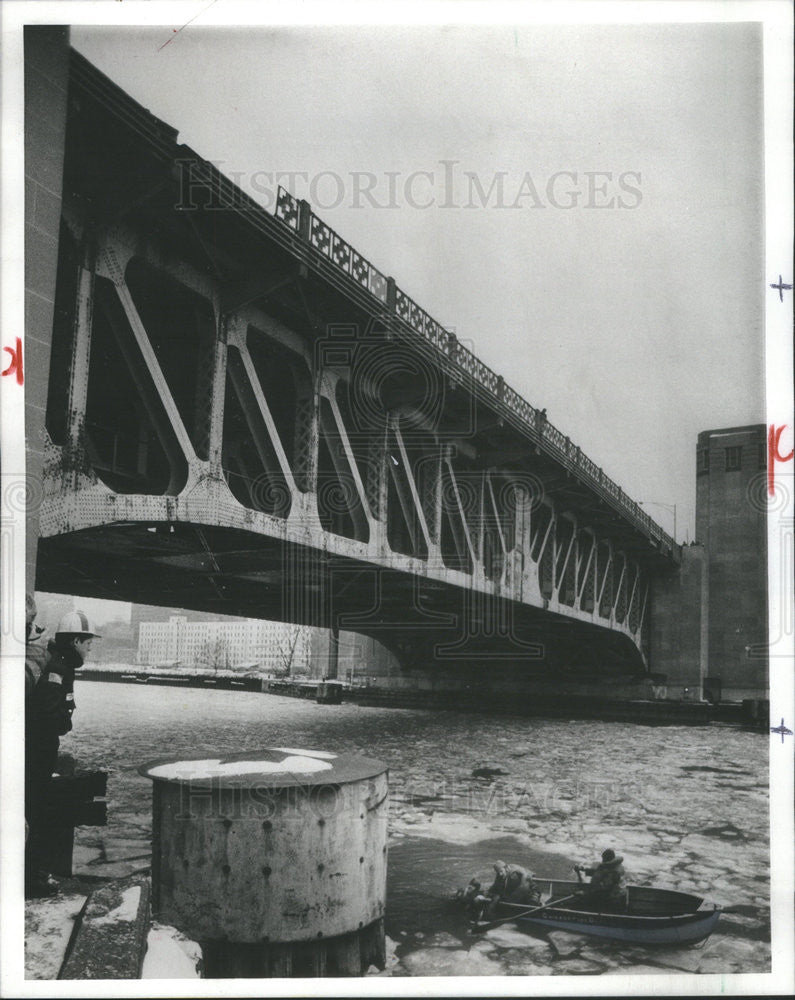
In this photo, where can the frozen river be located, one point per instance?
(687, 807)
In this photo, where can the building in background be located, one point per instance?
(273, 647)
(731, 524)
(709, 623)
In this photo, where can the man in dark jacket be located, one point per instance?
(35, 658)
(606, 890)
(35, 648)
(512, 883)
(48, 716)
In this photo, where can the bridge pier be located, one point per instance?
(46, 84)
(332, 662)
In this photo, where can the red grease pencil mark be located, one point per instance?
(773, 455)
(177, 30)
(16, 362)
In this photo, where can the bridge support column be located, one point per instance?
(209, 406)
(677, 624)
(218, 390)
(377, 485)
(481, 523)
(332, 662)
(307, 434)
(81, 349)
(46, 81)
(432, 502)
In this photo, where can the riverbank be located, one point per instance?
(225, 680)
(564, 705)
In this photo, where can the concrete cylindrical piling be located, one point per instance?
(275, 862)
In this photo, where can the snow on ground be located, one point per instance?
(170, 955)
(127, 910)
(48, 927)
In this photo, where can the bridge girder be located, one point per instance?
(401, 493)
(219, 375)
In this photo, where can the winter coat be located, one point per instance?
(607, 880)
(48, 711)
(514, 884)
(35, 659)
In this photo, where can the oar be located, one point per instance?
(487, 925)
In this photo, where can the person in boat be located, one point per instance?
(512, 884)
(469, 895)
(607, 888)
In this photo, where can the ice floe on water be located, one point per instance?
(656, 795)
(320, 754)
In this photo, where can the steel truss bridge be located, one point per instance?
(245, 416)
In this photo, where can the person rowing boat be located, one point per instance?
(651, 916)
(607, 888)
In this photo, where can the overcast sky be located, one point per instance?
(635, 316)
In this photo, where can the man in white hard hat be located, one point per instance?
(48, 716)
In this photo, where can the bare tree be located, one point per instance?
(286, 650)
(215, 653)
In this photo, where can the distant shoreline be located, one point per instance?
(603, 709)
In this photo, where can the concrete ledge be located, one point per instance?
(110, 942)
(49, 926)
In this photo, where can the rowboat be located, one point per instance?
(652, 916)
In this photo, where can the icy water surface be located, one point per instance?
(687, 807)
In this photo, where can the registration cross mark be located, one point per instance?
(781, 729)
(781, 288)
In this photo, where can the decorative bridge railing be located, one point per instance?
(299, 217)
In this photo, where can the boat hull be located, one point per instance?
(652, 917)
(688, 929)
